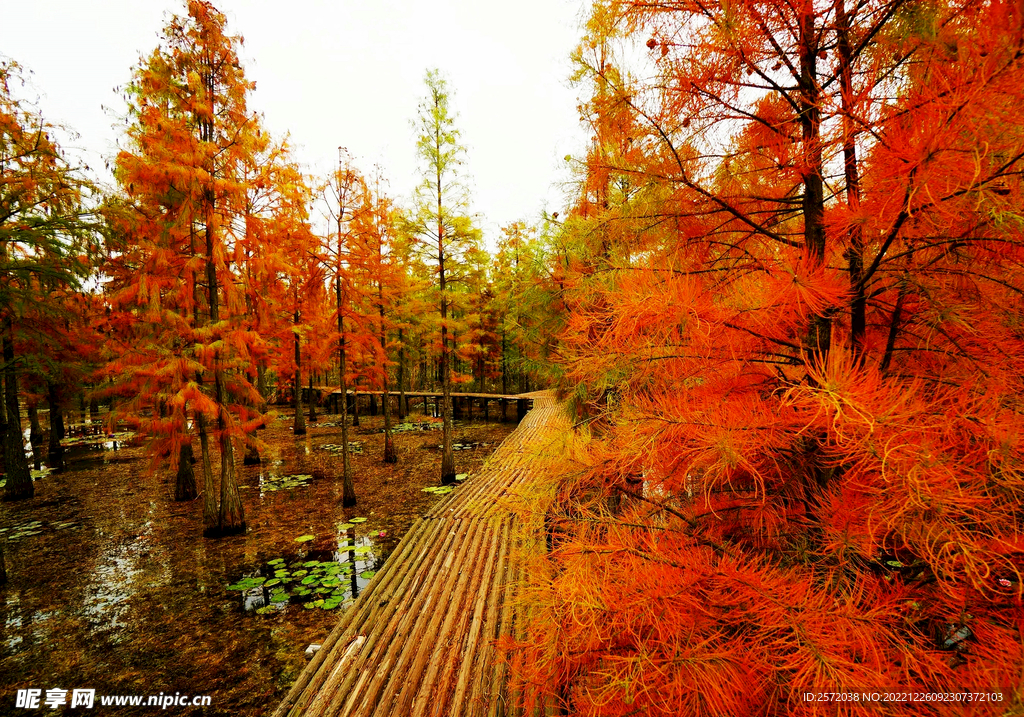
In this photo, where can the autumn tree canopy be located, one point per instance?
(793, 329)
(46, 234)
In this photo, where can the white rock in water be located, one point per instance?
(311, 650)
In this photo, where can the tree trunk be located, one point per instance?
(390, 456)
(818, 341)
(261, 387)
(422, 385)
(35, 435)
(355, 403)
(819, 338)
(504, 362)
(855, 253)
(232, 514)
(252, 450)
(299, 426)
(348, 489)
(185, 480)
(55, 451)
(447, 452)
(19, 477)
(210, 517)
(403, 407)
(312, 401)
(894, 327)
(3, 427)
(231, 517)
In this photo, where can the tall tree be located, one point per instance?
(183, 163)
(441, 221)
(45, 229)
(373, 257)
(342, 194)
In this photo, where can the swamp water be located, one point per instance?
(113, 588)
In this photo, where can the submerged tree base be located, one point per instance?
(185, 481)
(18, 491)
(223, 532)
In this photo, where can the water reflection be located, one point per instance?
(123, 569)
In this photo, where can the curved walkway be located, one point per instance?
(420, 640)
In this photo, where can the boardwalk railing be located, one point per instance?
(420, 640)
(461, 402)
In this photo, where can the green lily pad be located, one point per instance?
(275, 561)
(367, 574)
(304, 538)
(357, 520)
(461, 476)
(346, 526)
(310, 580)
(279, 597)
(272, 582)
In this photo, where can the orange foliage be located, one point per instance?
(794, 332)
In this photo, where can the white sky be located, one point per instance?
(342, 73)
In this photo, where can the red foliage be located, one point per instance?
(794, 330)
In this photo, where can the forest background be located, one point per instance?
(784, 306)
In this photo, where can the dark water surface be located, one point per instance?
(113, 588)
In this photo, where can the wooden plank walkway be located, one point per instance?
(419, 641)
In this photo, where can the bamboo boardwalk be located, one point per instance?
(419, 641)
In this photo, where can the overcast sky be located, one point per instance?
(342, 73)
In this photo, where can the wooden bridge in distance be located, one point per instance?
(461, 402)
(420, 639)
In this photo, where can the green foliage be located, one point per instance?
(310, 583)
